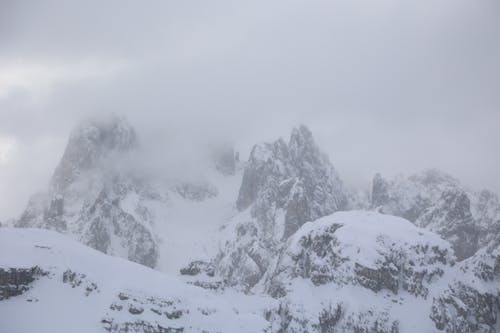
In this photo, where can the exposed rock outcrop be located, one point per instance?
(437, 201)
(284, 185)
(16, 281)
(354, 248)
(97, 194)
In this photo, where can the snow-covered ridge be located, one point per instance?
(350, 272)
(435, 200)
(73, 288)
(274, 227)
(367, 272)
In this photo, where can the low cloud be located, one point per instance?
(390, 86)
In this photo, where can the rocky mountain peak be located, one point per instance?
(302, 142)
(437, 201)
(89, 143)
(380, 193)
(284, 186)
(278, 162)
(314, 266)
(434, 177)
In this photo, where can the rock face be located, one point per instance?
(355, 248)
(90, 144)
(437, 201)
(291, 318)
(463, 309)
(95, 196)
(198, 267)
(87, 194)
(485, 209)
(471, 304)
(296, 177)
(451, 217)
(366, 272)
(284, 185)
(165, 309)
(16, 281)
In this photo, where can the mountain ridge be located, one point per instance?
(281, 231)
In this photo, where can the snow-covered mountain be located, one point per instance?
(284, 185)
(437, 201)
(273, 244)
(348, 272)
(97, 198)
(365, 272)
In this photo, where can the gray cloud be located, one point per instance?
(386, 85)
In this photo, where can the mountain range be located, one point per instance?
(276, 243)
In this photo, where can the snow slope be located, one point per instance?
(107, 293)
(348, 272)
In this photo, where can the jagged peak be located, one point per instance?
(303, 147)
(301, 134)
(301, 141)
(89, 142)
(111, 131)
(434, 176)
(264, 151)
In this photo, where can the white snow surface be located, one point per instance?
(53, 306)
(50, 305)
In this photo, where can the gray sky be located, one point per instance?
(394, 86)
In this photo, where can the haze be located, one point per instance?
(391, 86)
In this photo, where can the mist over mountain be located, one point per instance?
(279, 232)
(258, 167)
(385, 86)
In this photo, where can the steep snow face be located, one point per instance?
(97, 200)
(284, 185)
(51, 284)
(437, 201)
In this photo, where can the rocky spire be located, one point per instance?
(89, 143)
(380, 194)
(284, 185)
(289, 171)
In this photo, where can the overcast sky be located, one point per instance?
(394, 86)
